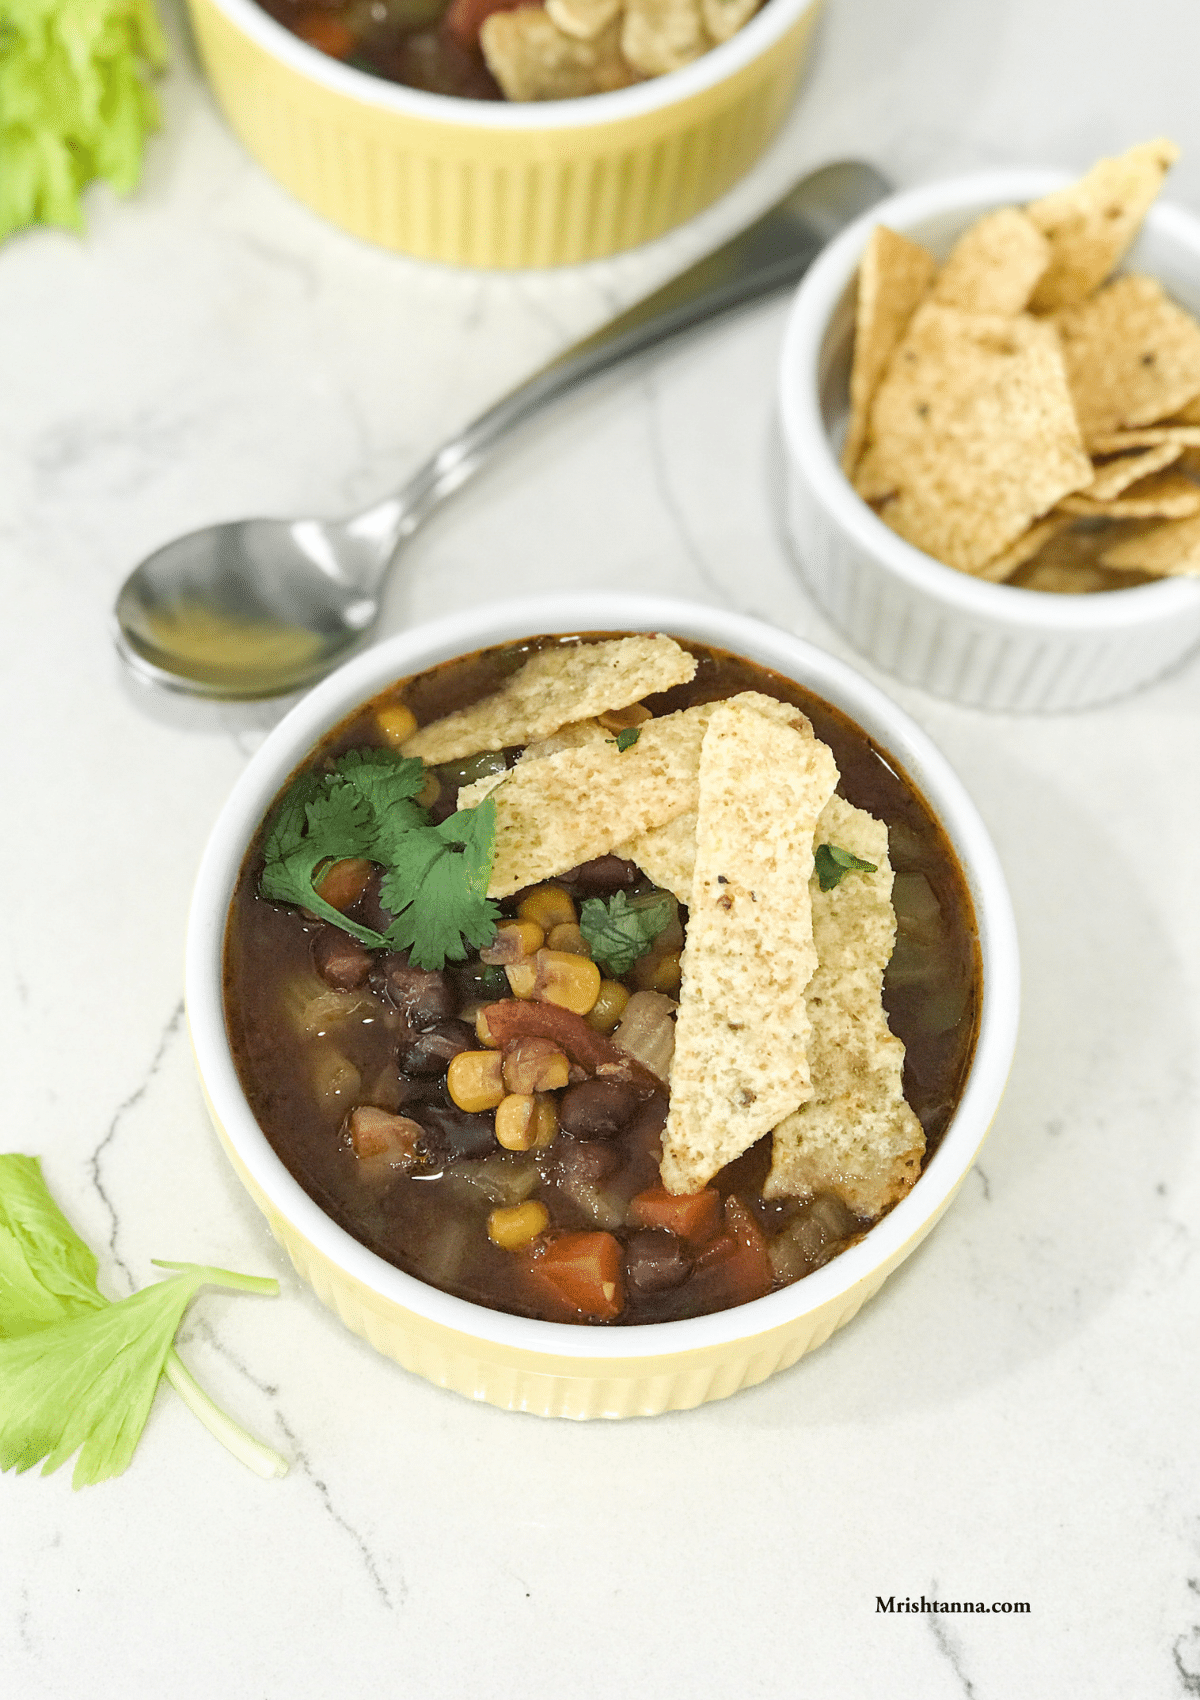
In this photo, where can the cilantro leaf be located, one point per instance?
(437, 887)
(78, 1373)
(435, 879)
(626, 738)
(833, 864)
(623, 929)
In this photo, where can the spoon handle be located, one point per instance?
(767, 256)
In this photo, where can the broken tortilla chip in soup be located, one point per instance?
(583, 18)
(741, 1033)
(856, 1135)
(554, 688)
(533, 59)
(894, 275)
(663, 35)
(994, 266)
(972, 434)
(1132, 356)
(1090, 224)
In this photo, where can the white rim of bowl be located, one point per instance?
(763, 30)
(804, 426)
(459, 634)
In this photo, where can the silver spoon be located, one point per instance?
(261, 607)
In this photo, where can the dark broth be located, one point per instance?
(432, 1223)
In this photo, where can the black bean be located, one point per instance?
(604, 875)
(656, 1259)
(340, 960)
(597, 1109)
(422, 995)
(432, 1048)
(456, 1133)
(587, 1160)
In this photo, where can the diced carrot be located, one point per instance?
(465, 18)
(514, 1018)
(694, 1216)
(343, 883)
(329, 35)
(588, 1271)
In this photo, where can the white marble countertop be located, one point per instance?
(1012, 1419)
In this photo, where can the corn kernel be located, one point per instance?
(522, 977)
(567, 936)
(397, 724)
(571, 982)
(514, 941)
(544, 1121)
(515, 1127)
(605, 1014)
(475, 1080)
(514, 1226)
(535, 1065)
(548, 905)
(658, 974)
(429, 793)
(482, 1030)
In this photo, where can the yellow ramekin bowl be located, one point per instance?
(557, 1369)
(483, 183)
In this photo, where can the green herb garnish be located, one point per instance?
(435, 877)
(75, 103)
(833, 864)
(626, 738)
(78, 1372)
(623, 929)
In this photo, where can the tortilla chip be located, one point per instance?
(566, 808)
(1167, 495)
(666, 854)
(1117, 475)
(532, 59)
(663, 35)
(972, 434)
(1002, 566)
(1070, 563)
(741, 1033)
(893, 277)
(1165, 551)
(724, 18)
(1131, 356)
(855, 1136)
(1148, 437)
(585, 19)
(994, 266)
(1091, 224)
(554, 688)
(1189, 415)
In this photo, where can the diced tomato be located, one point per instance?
(736, 1262)
(464, 18)
(694, 1216)
(588, 1271)
(330, 35)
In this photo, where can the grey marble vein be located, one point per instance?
(949, 1650)
(300, 1461)
(96, 1160)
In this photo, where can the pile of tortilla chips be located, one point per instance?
(780, 1026)
(569, 48)
(1017, 416)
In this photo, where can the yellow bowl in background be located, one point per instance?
(483, 183)
(553, 1368)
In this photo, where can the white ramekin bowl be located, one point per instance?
(556, 1369)
(988, 645)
